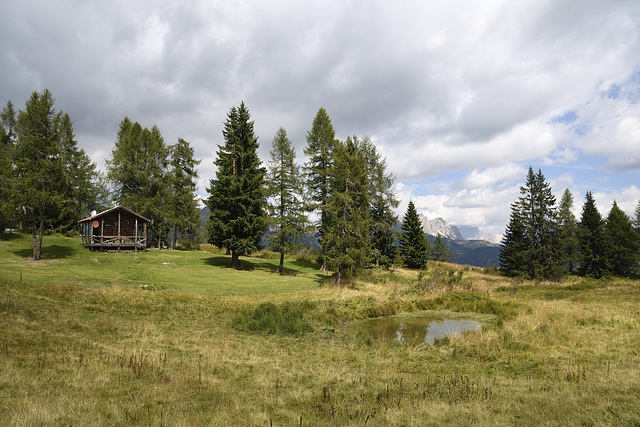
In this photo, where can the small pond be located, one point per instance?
(415, 328)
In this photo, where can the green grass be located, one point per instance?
(70, 354)
(64, 259)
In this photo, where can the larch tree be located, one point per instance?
(382, 205)
(8, 137)
(37, 164)
(621, 241)
(347, 215)
(182, 215)
(286, 191)
(237, 196)
(137, 173)
(414, 246)
(321, 144)
(591, 240)
(567, 232)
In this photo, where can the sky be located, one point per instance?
(461, 97)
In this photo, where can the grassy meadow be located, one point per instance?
(255, 348)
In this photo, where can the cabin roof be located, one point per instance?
(108, 211)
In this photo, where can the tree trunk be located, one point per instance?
(281, 267)
(36, 233)
(235, 261)
(338, 277)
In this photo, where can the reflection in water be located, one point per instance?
(416, 329)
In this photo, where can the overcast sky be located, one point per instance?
(460, 96)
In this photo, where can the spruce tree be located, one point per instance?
(285, 185)
(535, 210)
(636, 220)
(182, 215)
(591, 240)
(347, 215)
(568, 232)
(621, 241)
(414, 246)
(237, 196)
(514, 246)
(321, 144)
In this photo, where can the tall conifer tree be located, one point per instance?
(285, 184)
(568, 232)
(321, 144)
(182, 215)
(535, 213)
(383, 203)
(514, 246)
(137, 172)
(347, 215)
(621, 243)
(591, 240)
(414, 246)
(237, 196)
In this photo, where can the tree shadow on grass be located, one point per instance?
(48, 252)
(252, 264)
(6, 237)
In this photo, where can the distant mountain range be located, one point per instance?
(468, 244)
(436, 226)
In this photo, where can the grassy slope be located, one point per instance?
(70, 354)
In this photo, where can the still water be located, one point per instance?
(416, 328)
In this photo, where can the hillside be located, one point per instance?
(78, 354)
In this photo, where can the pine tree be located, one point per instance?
(182, 217)
(383, 203)
(237, 195)
(621, 241)
(321, 144)
(347, 215)
(514, 246)
(568, 232)
(285, 184)
(591, 240)
(441, 251)
(414, 246)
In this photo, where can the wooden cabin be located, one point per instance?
(116, 229)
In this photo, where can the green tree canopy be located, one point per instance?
(321, 144)
(591, 240)
(568, 232)
(534, 223)
(348, 219)
(137, 172)
(621, 243)
(285, 186)
(414, 246)
(182, 215)
(237, 195)
(440, 250)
